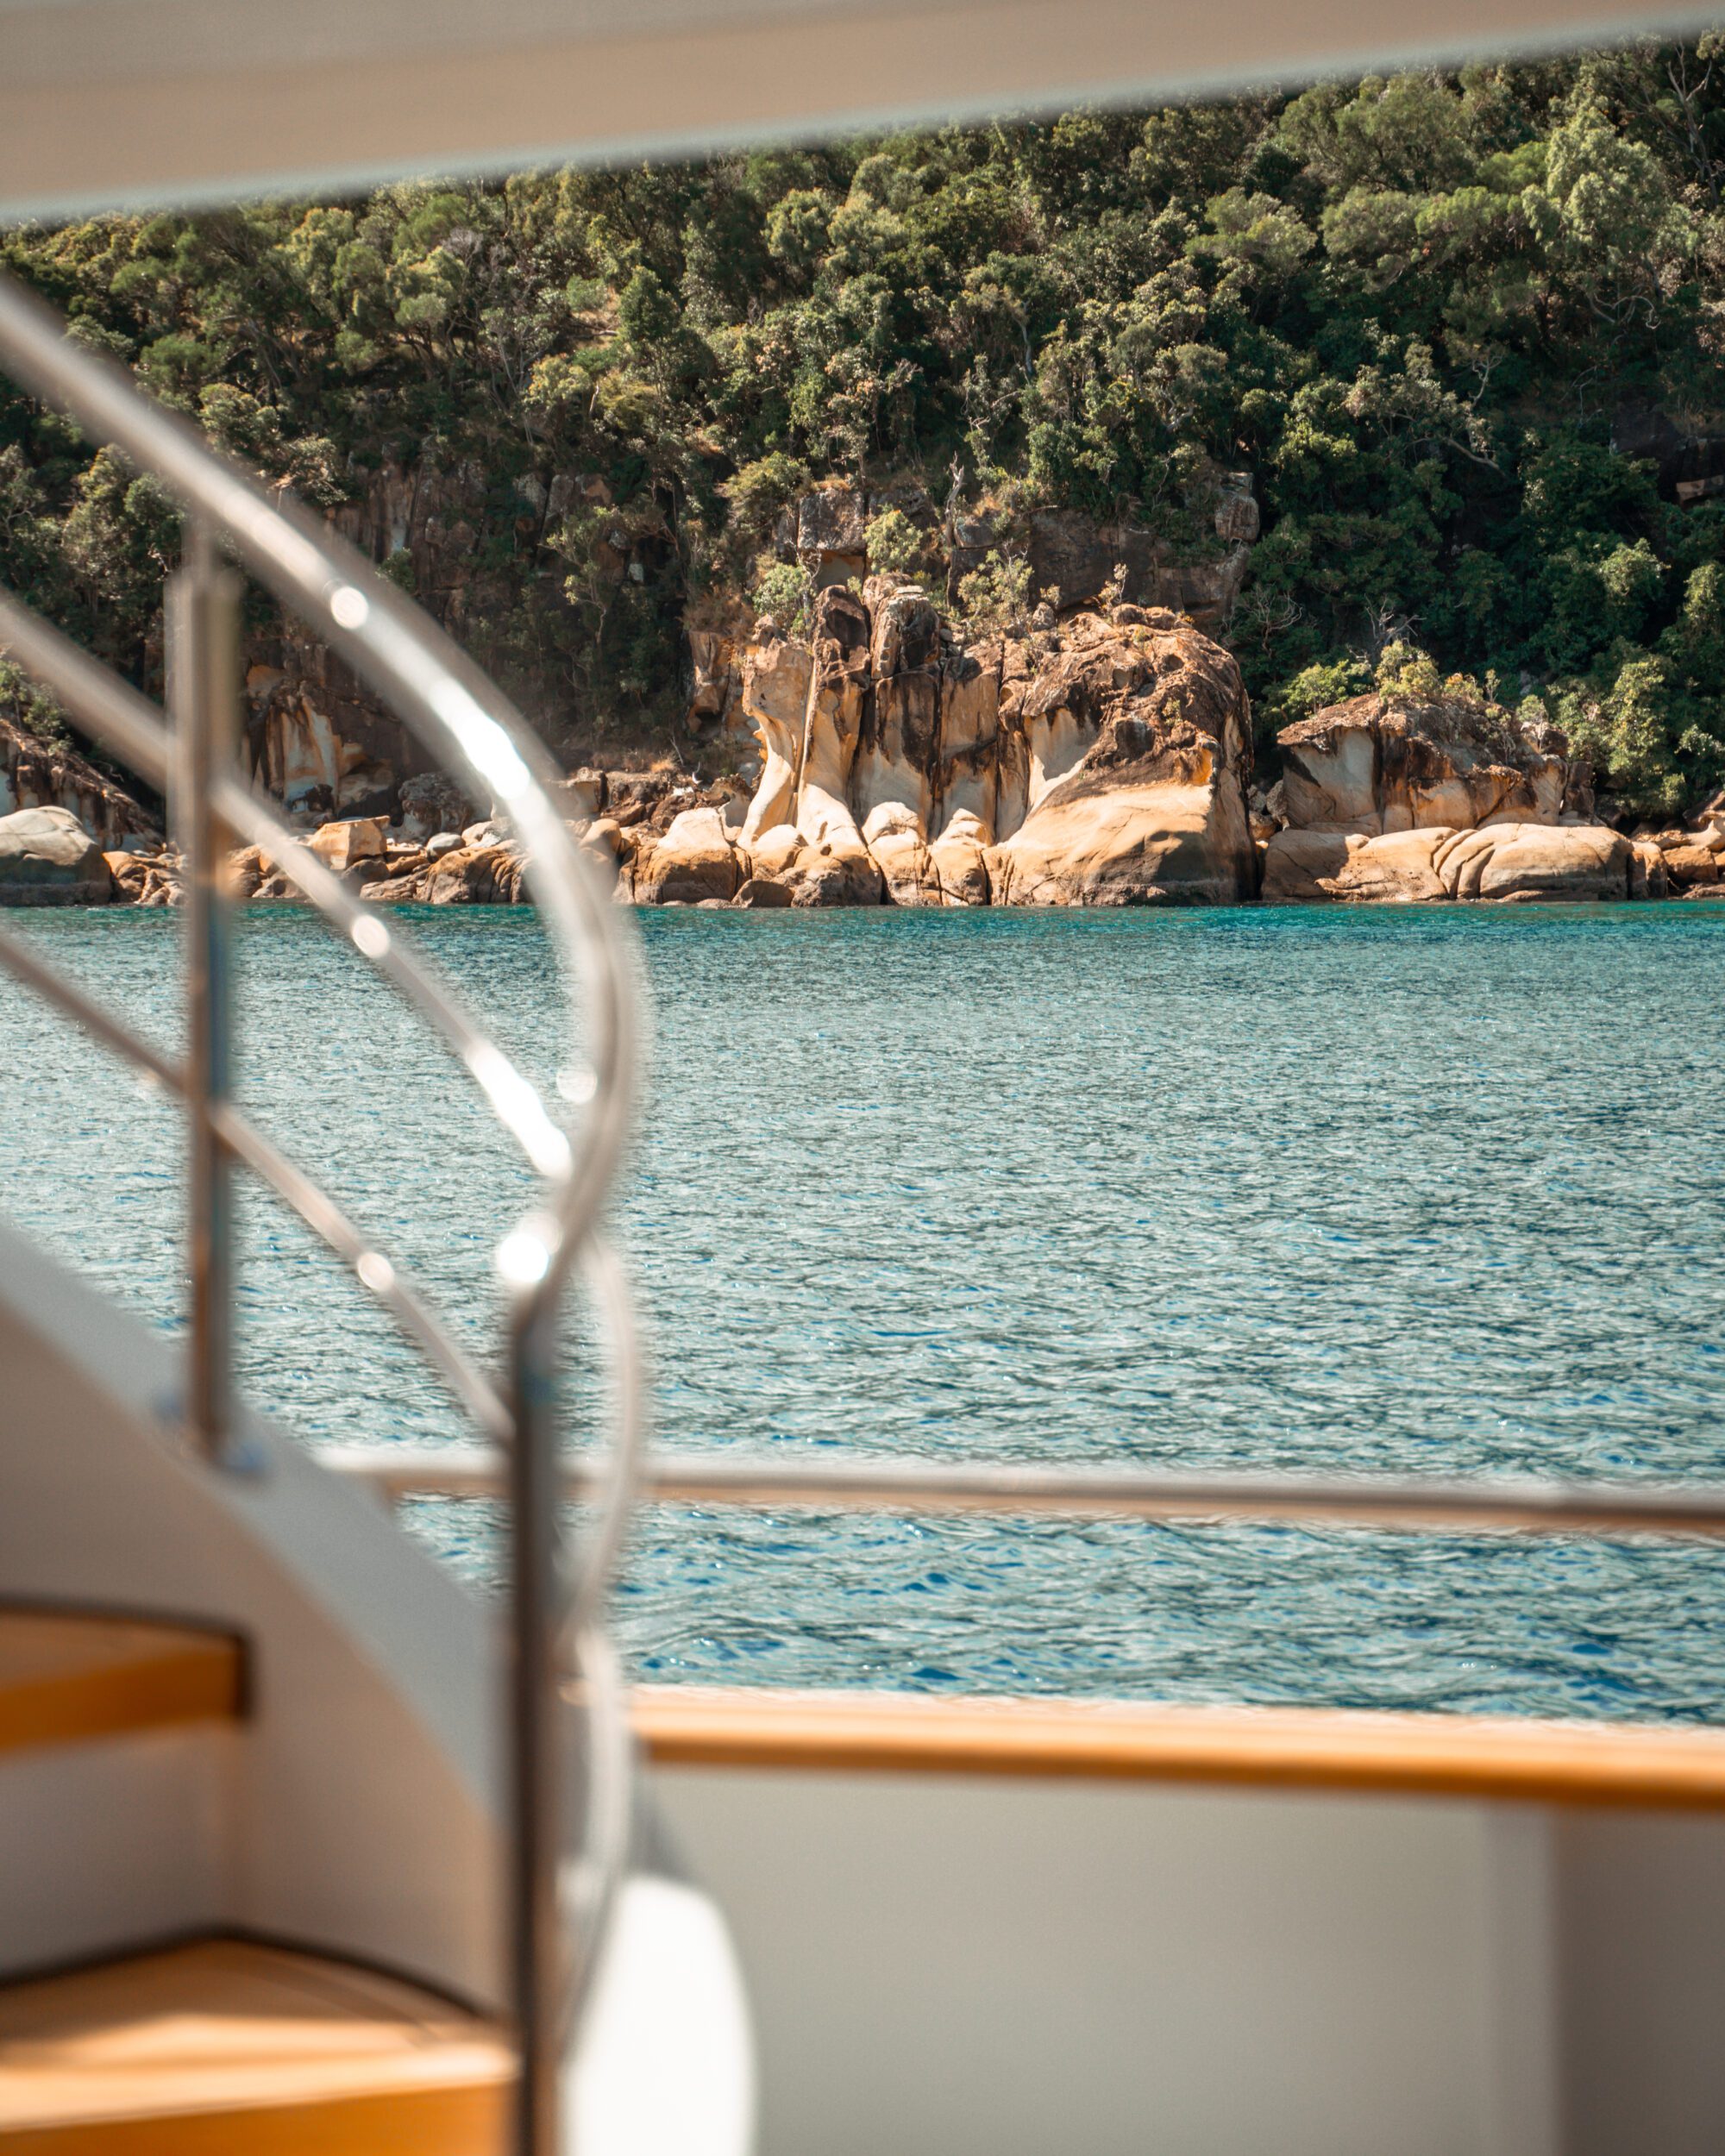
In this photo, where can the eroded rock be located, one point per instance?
(760, 893)
(1513, 862)
(960, 860)
(47, 858)
(693, 861)
(38, 774)
(893, 834)
(1307, 866)
(343, 846)
(1139, 735)
(1381, 764)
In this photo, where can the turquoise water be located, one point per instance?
(1401, 1189)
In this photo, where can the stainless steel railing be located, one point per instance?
(1490, 1504)
(557, 1640)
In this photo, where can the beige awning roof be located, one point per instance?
(113, 102)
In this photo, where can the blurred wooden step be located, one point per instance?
(228, 2045)
(66, 1678)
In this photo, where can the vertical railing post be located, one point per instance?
(538, 1955)
(203, 659)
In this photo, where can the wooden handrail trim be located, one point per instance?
(66, 1677)
(1433, 1755)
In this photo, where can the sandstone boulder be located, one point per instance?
(247, 869)
(693, 861)
(1154, 809)
(1304, 866)
(775, 852)
(1513, 862)
(465, 877)
(761, 893)
(47, 858)
(895, 838)
(1382, 764)
(960, 860)
(508, 877)
(341, 846)
(603, 839)
(132, 874)
(402, 887)
(1691, 863)
(825, 875)
(1507, 863)
(1648, 877)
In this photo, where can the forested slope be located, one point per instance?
(1464, 332)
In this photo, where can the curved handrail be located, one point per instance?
(431, 684)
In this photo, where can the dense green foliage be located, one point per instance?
(1411, 308)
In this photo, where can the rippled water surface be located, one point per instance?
(1410, 1190)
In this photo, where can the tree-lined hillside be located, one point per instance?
(1465, 331)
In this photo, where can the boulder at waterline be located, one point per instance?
(692, 861)
(1303, 867)
(1649, 876)
(1510, 862)
(1506, 863)
(761, 894)
(47, 858)
(960, 860)
(468, 876)
(893, 836)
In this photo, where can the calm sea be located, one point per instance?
(1401, 1189)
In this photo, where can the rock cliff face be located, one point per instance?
(1101, 762)
(316, 739)
(33, 775)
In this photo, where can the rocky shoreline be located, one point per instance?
(1103, 759)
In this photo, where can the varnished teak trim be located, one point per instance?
(229, 2044)
(68, 1678)
(1459, 1756)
